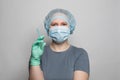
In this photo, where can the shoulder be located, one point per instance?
(80, 51)
(46, 46)
(81, 60)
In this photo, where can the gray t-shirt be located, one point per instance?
(61, 65)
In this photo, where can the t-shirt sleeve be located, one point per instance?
(41, 67)
(41, 63)
(82, 61)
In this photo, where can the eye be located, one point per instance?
(54, 24)
(64, 24)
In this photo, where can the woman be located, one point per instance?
(60, 60)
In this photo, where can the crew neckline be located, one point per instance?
(61, 52)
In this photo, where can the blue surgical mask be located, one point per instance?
(59, 33)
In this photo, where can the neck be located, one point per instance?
(58, 47)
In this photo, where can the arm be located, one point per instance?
(80, 75)
(35, 72)
(81, 68)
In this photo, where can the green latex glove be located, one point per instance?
(37, 51)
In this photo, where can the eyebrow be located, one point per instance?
(64, 22)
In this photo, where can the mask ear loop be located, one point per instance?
(38, 32)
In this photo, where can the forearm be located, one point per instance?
(35, 73)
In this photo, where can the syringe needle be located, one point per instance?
(38, 32)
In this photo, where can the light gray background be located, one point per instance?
(97, 31)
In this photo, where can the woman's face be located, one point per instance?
(58, 22)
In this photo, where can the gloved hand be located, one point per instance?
(37, 51)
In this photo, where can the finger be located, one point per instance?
(43, 45)
(37, 42)
(40, 37)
